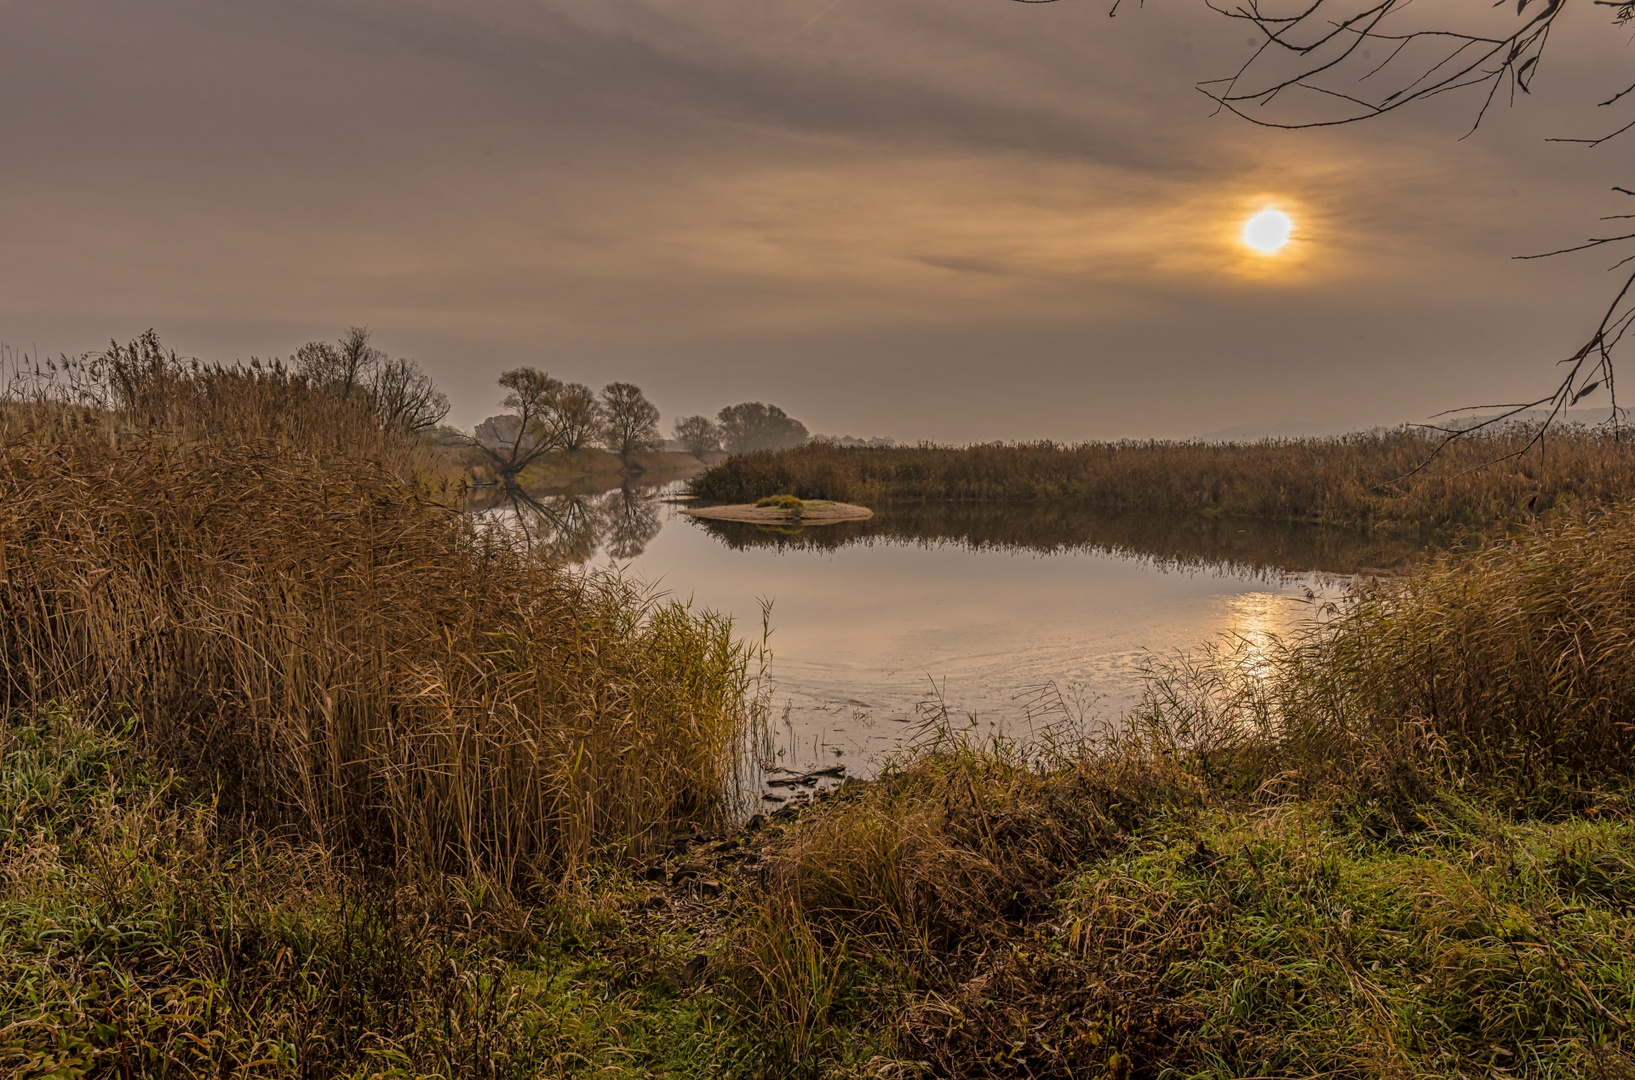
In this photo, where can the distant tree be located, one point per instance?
(754, 426)
(630, 423)
(343, 369)
(698, 435)
(531, 430)
(397, 391)
(405, 398)
(578, 416)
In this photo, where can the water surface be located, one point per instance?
(1011, 618)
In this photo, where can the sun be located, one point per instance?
(1268, 231)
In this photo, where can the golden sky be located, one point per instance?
(946, 219)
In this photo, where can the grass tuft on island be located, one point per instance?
(1482, 484)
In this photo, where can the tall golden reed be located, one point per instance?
(1483, 483)
(245, 567)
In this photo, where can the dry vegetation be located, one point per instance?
(257, 579)
(302, 775)
(1356, 481)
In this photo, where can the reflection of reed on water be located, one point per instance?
(571, 525)
(1169, 540)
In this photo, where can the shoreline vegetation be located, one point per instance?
(304, 775)
(1167, 540)
(1384, 483)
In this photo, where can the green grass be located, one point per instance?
(1295, 943)
(973, 917)
(136, 938)
(970, 915)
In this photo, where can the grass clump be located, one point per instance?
(780, 502)
(1151, 931)
(892, 894)
(1477, 485)
(1286, 943)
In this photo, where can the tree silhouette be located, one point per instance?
(630, 423)
(698, 435)
(753, 425)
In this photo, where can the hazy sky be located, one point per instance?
(946, 219)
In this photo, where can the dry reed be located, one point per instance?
(239, 560)
(1356, 481)
(1506, 668)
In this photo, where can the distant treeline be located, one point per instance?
(1481, 482)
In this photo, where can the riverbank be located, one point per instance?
(967, 915)
(1399, 845)
(1387, 483)
(589, 469)
(301, 774)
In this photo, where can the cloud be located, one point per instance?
(725, 192)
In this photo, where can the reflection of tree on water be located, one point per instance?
(630, 519)
(561, 527)
(569, 526)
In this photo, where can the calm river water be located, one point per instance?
(1012, 617)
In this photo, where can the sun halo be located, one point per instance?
(1268, 231)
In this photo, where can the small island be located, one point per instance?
(784, 510)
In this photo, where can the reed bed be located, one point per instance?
(1506, 669)
(1482, 483)
(242, 564)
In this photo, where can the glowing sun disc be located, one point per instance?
(1267, 231)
